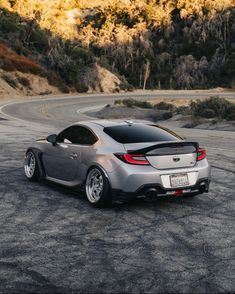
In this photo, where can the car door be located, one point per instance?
(64, 161)
(86, 142)
(61, 160)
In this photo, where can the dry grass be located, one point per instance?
(11, 61)
(175, 102)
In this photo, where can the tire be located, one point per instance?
(97, 188)
(31, 168)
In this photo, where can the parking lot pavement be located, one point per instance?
(52, 240)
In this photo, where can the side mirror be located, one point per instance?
(52, 139)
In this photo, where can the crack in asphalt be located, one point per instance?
(223, 168)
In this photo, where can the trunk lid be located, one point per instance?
(167, 155)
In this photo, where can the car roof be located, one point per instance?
(110, 123)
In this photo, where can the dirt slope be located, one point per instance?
(21, 76)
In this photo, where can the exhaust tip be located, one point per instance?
(204, 187)
(151, 194)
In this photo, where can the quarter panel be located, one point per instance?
(102, 156)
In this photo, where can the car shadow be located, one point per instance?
(158, 202)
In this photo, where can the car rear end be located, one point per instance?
(163, 167)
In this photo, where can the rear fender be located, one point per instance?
(101, 167)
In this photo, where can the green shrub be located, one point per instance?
(63, 88)
(70, 72)
(144, 104)
(212, 107)
(80, 55)
(125, 86)
(8, 25)
(86, 56)
(208, 113)
(130, 102)
(55, 80)
(81, 87)
(12, 82)
(164, 106)
(38, 40)
(167, 115)
(103, 61)
(183, 110)
(230, 114)
(24, 81)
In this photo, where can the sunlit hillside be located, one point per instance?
(182, 44)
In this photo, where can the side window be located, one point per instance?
(77, 135)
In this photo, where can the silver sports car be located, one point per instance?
(115, 161)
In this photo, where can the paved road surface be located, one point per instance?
(53, 241)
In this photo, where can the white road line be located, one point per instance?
(7, 116)
(91, 108)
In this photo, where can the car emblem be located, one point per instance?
(176, 159)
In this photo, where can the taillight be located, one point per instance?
(138, 159)
(201, 154)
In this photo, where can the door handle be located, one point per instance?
(73, 155)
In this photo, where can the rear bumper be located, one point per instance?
(131, 178)
(202, 186)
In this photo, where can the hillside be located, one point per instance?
(22, 76)
(112, 45)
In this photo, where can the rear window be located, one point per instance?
(138, 133)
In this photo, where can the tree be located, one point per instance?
(146, 73)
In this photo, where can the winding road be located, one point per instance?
(53, 241)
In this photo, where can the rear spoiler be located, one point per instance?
(174, 145)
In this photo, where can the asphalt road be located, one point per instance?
(52, 240)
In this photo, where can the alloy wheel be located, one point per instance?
(94, 185)
(30, 164)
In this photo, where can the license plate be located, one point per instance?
(179, 180)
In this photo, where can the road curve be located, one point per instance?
(60, 111)
(52, 241)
